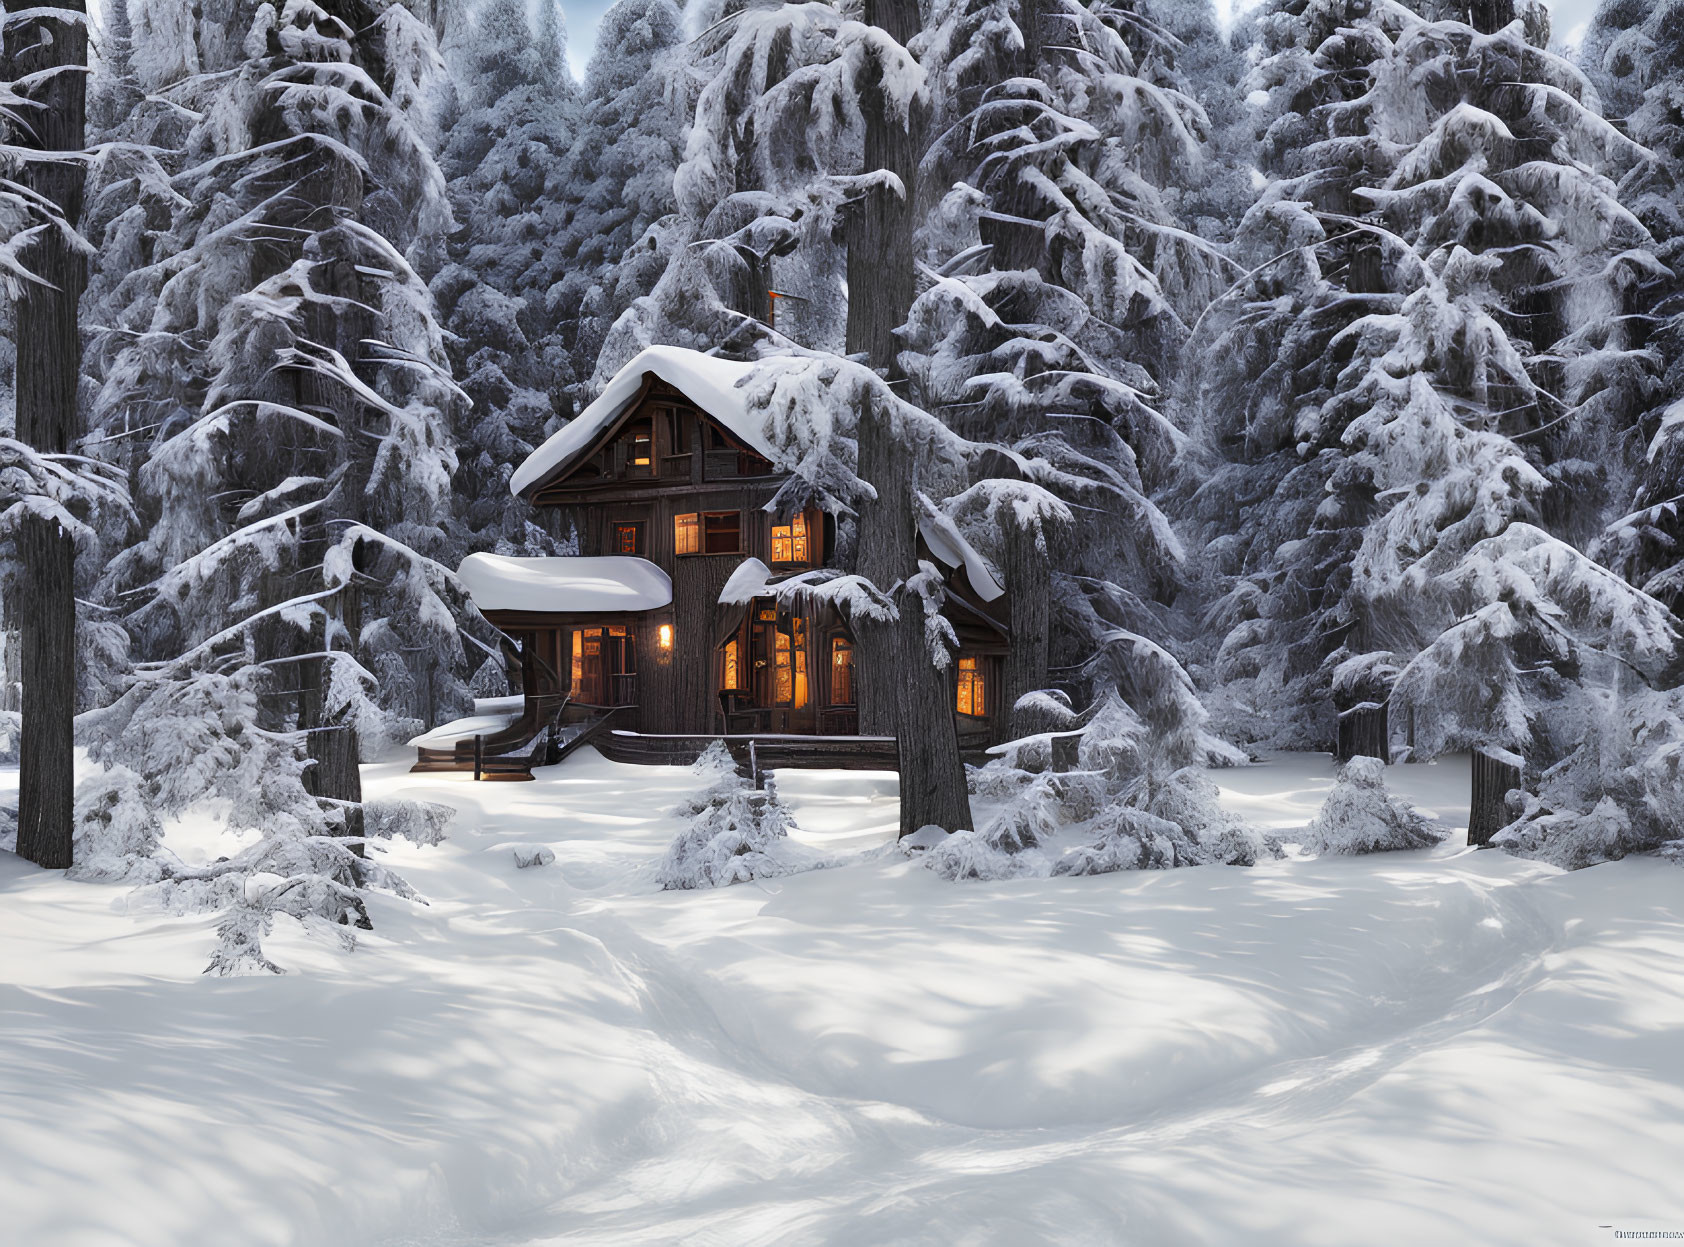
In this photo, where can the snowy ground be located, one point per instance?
(1442, 1047)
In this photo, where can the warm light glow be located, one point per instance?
(972, 692)
(789, 541)
(686, 534)
(666, 636)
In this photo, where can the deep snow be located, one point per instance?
(1431, 1047)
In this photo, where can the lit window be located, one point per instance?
(731, 678)
(784, 681)
(799, 643)
(628, 539)
(841, 672)
(638, 453)
(789, 541)
(686, 534)
(972, 693)
(722, 532)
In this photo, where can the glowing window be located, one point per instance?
(641, 445)
(731, 677)
(628, 539)
(972, 692)
(841, 672)
(687, 533)
(783, 677)
(799, 644)
(789, 541)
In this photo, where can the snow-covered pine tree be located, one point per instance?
(505, 160)
(732, 832)
(1634, 52)
(773, 153)
(1360, 816)
(1275, 505)
(618, 210)
(1044, 322)
(1472, 158)
(283, 365)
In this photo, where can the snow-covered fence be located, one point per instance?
(1495, 772)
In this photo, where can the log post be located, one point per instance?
(1495, 772)
(1363, 733)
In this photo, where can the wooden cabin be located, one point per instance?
(668, 616)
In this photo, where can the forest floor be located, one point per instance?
(1445, 1046)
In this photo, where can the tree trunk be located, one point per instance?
(1363, 733)
(900, 691)
(881, 269)
(49, 361)
(1494, 774)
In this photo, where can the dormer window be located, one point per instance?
(789, 541)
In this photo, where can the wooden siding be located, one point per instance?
(677, 689)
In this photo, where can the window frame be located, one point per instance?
(736, 516)
(841, 644)
(693, 530)
(971, 685)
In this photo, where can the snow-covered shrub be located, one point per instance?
(115, 832)
(420, 822)
(8, 829)
(735, 832)
(976, 855)
(1620, 792)
(1156, 824)
(1360, 816)
(1010, 847)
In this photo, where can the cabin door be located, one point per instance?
(605, 666)
(781, 643)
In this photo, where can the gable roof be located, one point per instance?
(711, 383)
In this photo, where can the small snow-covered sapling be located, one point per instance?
(1360, 816)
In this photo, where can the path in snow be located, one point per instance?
(1426, 1047)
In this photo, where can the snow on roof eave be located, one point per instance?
(613, 583)
(949, 545)
(706, 380)
(746, 583)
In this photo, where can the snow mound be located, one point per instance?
(1360, 816)
(530, 855)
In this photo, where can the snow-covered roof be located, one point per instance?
(709, 382)
(501, 582)
(948, 544)
(746, 583)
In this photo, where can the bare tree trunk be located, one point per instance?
(54, 50)
(901, 691)
(1495, 773)
(1029, 575)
